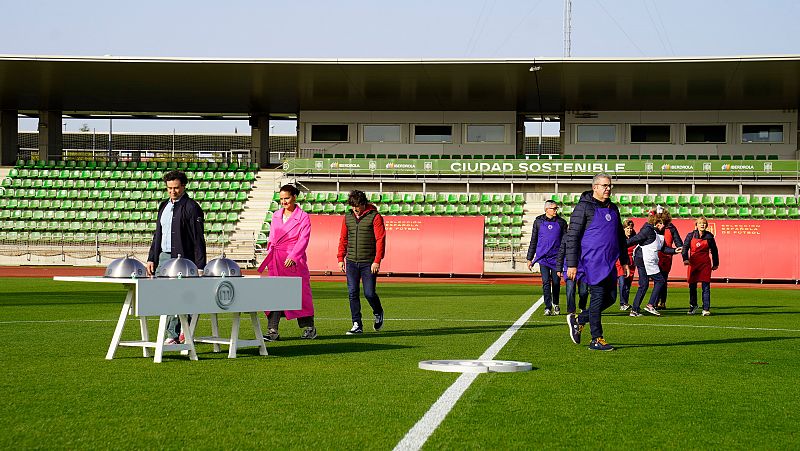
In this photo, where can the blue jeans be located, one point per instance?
(583, 294)
(362, 272)
(173, 323)
(601, 296)
(706, 287)
(624, 289)
(551, 286)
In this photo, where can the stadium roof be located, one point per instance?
(237, 87)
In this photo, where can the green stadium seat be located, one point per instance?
(486, 199)
(742, 201)
(519, 199)
(794, 213)
(624, 200)
(384, 209)
(770, 213)
(779, 201)
(730, 201)
(755, 201)
(782, 213)
(719, 201)
(790, 201)
(428, 209)
(637, 211)
(720, 212)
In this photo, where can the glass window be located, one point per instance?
(381, 133)
(329, 132)
(705, 134)
(650, 134)
(486, 133)
(433, 133)
(768, 133)
(596, 134)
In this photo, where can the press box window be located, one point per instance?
(696, 134)
(596, 134)
(433, 133)
(381, 133)
(651, 134)
(329, 133)
(762, 133)
(486, 133)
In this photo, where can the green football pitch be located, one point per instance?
(725, 381)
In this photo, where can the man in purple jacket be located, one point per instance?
(595, 240)
(548, 230)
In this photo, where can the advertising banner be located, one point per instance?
(521, 167)
(414, 244)
(748, 249)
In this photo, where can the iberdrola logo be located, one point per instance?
(334, 165)
(665, 167)
(726, 167)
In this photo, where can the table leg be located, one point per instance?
(262, 348)
(234, 344)
(162, 331)
(188, 335)
(145, 335)
(126, 306)
(215, 330)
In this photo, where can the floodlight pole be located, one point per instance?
(567, 28)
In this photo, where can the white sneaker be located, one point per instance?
(547, 312)
(623, 307)
(706, 312)
(171, 341)
(356, 329)
(651, 310)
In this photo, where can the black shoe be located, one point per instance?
(378, 321)
(599, 344)
(355, 330)
(692, 310)
(272, 335)
(309, 333)
(575, 329)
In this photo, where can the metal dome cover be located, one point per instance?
(222, 267)
(177, 268)
(126, 268)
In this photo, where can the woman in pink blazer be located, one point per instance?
(290, 231)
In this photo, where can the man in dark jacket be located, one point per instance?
(179, 231)
(548, 231)
(362, 245)
(595, 240)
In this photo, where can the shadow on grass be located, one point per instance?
(296, 349)
(706, 342)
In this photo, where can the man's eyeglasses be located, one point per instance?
(606, 185)
(552, 208)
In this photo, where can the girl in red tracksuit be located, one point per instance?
(671, 239)
(699, 244)
(625, 282)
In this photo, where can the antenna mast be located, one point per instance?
(567, 28)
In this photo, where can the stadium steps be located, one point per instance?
(243, 239)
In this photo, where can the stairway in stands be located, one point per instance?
(244, 235)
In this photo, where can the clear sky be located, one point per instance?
(382, 29)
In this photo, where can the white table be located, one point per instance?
(196, 296)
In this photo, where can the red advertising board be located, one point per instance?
(748, 249)
(414, 244)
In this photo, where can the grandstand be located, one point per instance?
(451, 146)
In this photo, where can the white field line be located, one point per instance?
(420, 432)
(501, 321)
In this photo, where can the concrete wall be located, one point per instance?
(355, 121)
(733, 119)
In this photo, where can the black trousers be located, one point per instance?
(601, 296)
